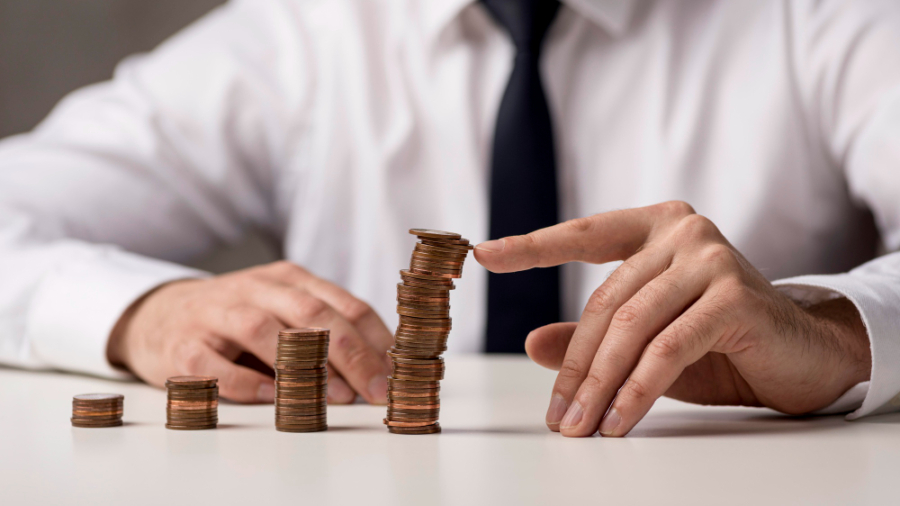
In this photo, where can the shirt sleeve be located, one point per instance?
(126, 180)
(847, 56)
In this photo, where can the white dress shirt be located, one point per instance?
(339, 124)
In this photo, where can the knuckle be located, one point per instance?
(635, 390)
(192, 359)
(356, 310)
(677, 208)
(310, 308)
(354, 353)
(667, 347)
(593, 382)
(602, 300)
(571, 370)
(628, 316)
(285, 268)
(582, 225)
(252, 324)
(695, 227)
(718, 254)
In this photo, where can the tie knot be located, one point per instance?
(526, 21)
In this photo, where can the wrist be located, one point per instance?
(119, 343)
(842, 324)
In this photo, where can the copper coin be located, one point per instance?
(443, 261)
(406, 424)
(451, 253)
(438, 268)
(430, 281)
(417, 313)
(96, 414)
(402, 359)
(461, 247)
(302, 429)
(298, 370)
(192, 381)
(434, 234)
(403, 395)
(421, 291)
(83, 425)
(99, 397)
(404, 384)
(443, 308)
(190, 427)
(428, 429)
(206, 396)
(448, 275)
(413, 401)
(307, 331)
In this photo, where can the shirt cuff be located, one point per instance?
(78, 303)
(877, 301)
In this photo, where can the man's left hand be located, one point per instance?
(685, 316)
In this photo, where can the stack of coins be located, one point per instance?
(97, 410)
(193, 403)
(301, 380)
(423, 303)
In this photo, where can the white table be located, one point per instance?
(495, 450)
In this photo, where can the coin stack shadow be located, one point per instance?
(423, 303)
(97, 410)
(193, 402)
(301, 380)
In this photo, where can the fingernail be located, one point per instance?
(573, 416)
(610, 422)
(378, 389)
(556, 410)
(492, 246)
(266, 392)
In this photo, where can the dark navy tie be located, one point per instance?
(523, 179)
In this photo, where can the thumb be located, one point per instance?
(547, 345)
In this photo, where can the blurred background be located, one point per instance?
(51, 47)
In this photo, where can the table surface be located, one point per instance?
(494, 450)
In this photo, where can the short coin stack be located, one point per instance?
(97, 410)
(193, 402)
(301, 380)
(423, 303)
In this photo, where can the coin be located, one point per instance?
(434, 234)
(192, 402)
(423, 306)
(191, 382)
(301, 380)
(93, 398)
(427, 429)
(97, 410)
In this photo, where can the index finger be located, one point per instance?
(601, 238)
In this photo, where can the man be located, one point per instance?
(339, 125)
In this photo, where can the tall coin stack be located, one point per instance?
(97, 410)
(193, 402)
(301, 380)
(423, 303)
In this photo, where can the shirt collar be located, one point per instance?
(612, 15)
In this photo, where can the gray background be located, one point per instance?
(51, 47)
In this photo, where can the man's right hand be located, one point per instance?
(199, 327)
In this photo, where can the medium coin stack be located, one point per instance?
(423, 303)
(193, 402)
(301, 380)
(97, 410)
